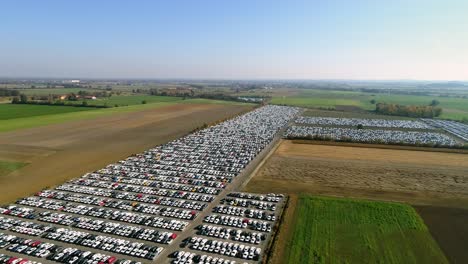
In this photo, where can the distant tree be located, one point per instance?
(434, 102)
(360, 126)
(372, 101)
(23, 98)
(15, 100)
(84, 103)
(72, 97)
(143, 102)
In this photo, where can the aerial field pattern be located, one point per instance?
(333, 230)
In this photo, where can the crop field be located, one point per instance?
(7, 167)
(125, 100)
(436, 177)
(419, 177)
(60, 151)
(91, 113)
(55, 91)
(448, 227)
(453, 108)
(337, 230)
(12, 111)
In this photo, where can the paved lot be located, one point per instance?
(153, 195)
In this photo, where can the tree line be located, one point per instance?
(424, 111)
(8, 92)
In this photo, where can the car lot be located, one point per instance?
(372, 136)
(142, 207)
(455, 128)
(382, 123)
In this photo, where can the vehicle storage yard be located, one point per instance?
(455, 128)
(144, 208)
(57, 153)
(373, 136)
(333, 121)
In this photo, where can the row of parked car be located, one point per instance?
(385, 123)
(104, 213)
(139, 197)
(156, 181)
(119, 229)
(271, 197)
(225, 248)
(249, 203)
(372, 136)
(7, 259)
(186, 187)
(106, 243)
(455, 128)
(52, 252)
(184, 257)
(146, 204)
(240, 211)
(233, 234)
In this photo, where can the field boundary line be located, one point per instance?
(377, 146)
(271, 245)
(260, 165)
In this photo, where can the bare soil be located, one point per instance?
(449, 227)
(417, 177)
(57, 153)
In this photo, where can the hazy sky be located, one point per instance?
(235, 39)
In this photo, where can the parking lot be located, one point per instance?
(455, 128)
(372, 136)
(173, 203)
(382, 123)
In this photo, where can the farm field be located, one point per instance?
(425, 179)
(59, 152)
(436, 177)
(7, 167)
(338, 230)
(12, 111)
(57, 118)
(125, 100)
(453, 108)
(448, 227)
(56, 91)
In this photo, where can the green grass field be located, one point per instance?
(453, 108)
(339, 230)
(56, 91)
(42, 120)
(8, 166)
(12, 111)
(125, 100)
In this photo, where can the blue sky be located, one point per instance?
(242, 39)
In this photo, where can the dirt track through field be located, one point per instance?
(60, 152)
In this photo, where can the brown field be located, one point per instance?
(417, 177)
(449, 227)
(57, 153)
(435, 182)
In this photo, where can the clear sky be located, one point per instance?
(235, 39)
